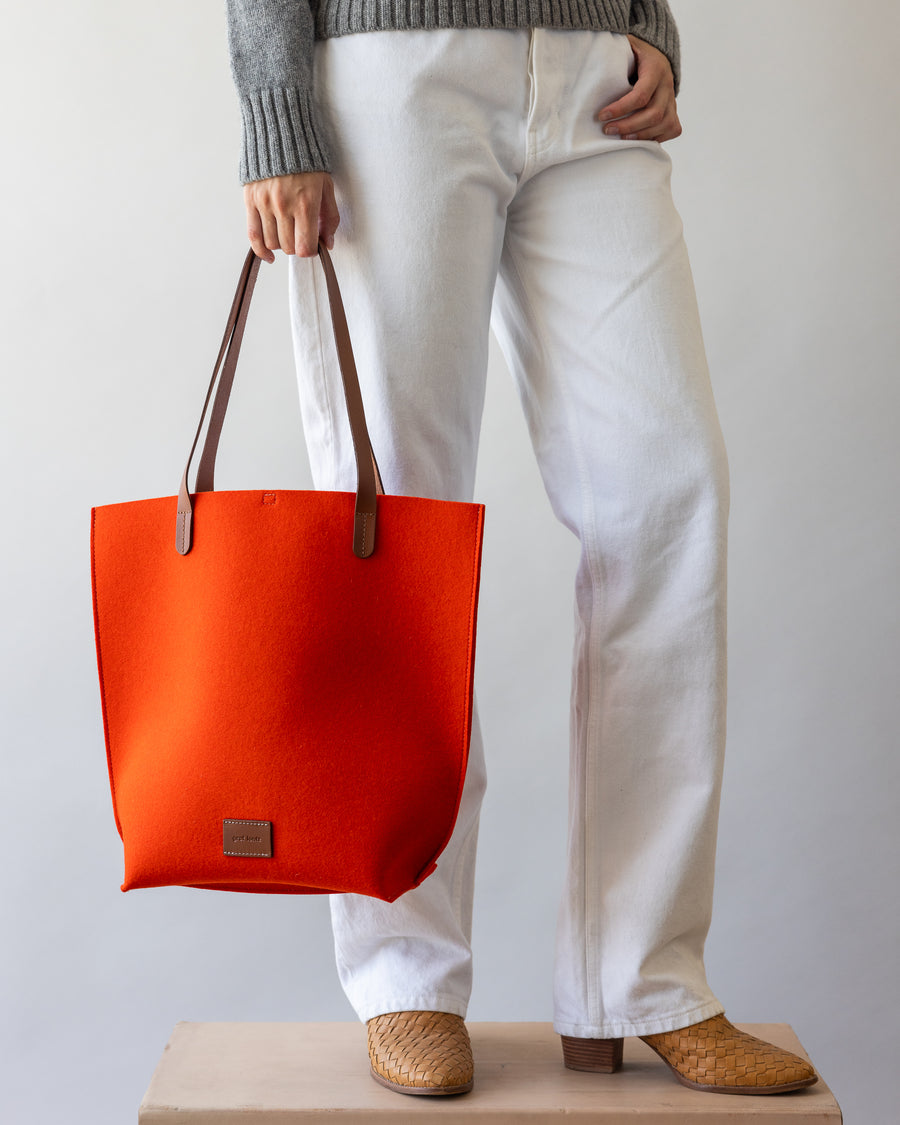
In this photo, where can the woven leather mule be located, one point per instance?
(712, 1055)
(421, 1052)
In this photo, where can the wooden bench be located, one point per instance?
(287, 1073)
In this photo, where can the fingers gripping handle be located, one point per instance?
(369, 484)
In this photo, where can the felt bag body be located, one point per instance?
(286, 676)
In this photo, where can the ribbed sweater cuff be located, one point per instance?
(281, 135)
(652, 21)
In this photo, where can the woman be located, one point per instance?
(500, 165)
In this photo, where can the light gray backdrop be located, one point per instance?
(124, 236)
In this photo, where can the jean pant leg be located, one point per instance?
(422, 190)
(596, 314)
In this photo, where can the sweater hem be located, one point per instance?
(646, 19)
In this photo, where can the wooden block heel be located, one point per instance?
(603, 1056)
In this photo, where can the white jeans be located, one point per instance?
(475, 191)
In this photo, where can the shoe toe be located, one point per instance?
(714, 1055)
(421, 1052)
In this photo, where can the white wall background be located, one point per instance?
(124, 236)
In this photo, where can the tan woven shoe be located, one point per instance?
(712, 1055)
(421, 1052)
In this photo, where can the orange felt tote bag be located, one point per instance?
(286, 676)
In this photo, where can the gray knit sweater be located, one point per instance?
(271, 43)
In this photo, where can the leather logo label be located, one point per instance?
(247, 838)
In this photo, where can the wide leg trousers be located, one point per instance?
(476, 191)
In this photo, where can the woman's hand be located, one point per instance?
(289, 213)
(648, 110)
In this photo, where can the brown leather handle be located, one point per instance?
(368, 478)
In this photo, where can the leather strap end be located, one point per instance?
(184, 527)
(364, 534)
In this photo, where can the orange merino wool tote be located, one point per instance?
(286, 676)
